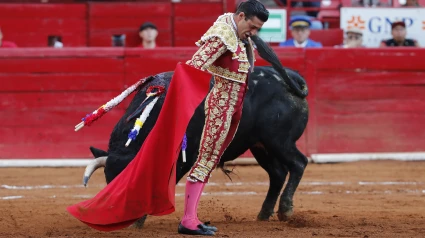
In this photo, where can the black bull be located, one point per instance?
(273, 119)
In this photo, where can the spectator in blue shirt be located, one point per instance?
(300, 31)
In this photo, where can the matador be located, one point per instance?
(147, 185)
(226, 51)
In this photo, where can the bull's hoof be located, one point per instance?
(260, 218)
(140, 223)
(285, 215)
(264, 216)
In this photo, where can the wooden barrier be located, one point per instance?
(366, 100)
(362, 100)
(45, 91)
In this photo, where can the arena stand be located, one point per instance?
(81, 23)
(94, 23)
(371, 104)
(29, 25)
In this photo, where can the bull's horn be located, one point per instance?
(92, 166)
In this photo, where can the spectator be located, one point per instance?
(148, 33)
(118, 40)
(6, 44)
(315, 23)
(55, 42)
(58, 44)
(353, 38)
(398, 31)
(300, 31)
(411, 3)
(370, 3)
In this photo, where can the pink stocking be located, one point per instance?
(192, 196)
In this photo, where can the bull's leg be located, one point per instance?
(140, 223)
(181, 171)
(111, 171)
(277, 179)
(296, 163)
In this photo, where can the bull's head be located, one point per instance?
(99, 161)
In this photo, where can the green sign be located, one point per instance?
(274, 30)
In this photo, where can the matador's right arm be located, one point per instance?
(209, 52)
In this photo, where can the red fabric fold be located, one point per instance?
(147, 184)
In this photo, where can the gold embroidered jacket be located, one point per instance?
(221, 52)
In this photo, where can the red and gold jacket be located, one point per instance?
(221, 52)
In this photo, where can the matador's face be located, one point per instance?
(247, 27)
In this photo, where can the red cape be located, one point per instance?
(147, 184)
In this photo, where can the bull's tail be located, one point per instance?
(92, 166)
(298, 85)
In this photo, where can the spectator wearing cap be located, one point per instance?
(300, 31)
(398, 31)
(353, 38)
(148, 33)
(6, 44)
(411, 3)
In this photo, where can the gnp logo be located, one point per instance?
(383, 24)
(356, 22)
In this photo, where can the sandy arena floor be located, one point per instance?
(361, 199)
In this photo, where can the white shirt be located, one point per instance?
(58, 44)
(234, 23)
(302, 45)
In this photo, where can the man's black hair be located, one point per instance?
(253, 8)
(147, 25)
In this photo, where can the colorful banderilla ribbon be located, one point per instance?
(98, 113)
(152, 96)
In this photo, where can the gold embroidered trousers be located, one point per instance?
(223, 111)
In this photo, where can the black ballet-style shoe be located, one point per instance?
(201, 231)
(207, 226)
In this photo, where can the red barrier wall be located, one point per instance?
(366, 100)
(363, 100)
(45, 91)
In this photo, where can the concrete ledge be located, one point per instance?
(315, 158)
(351, 157)
(5, 163)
